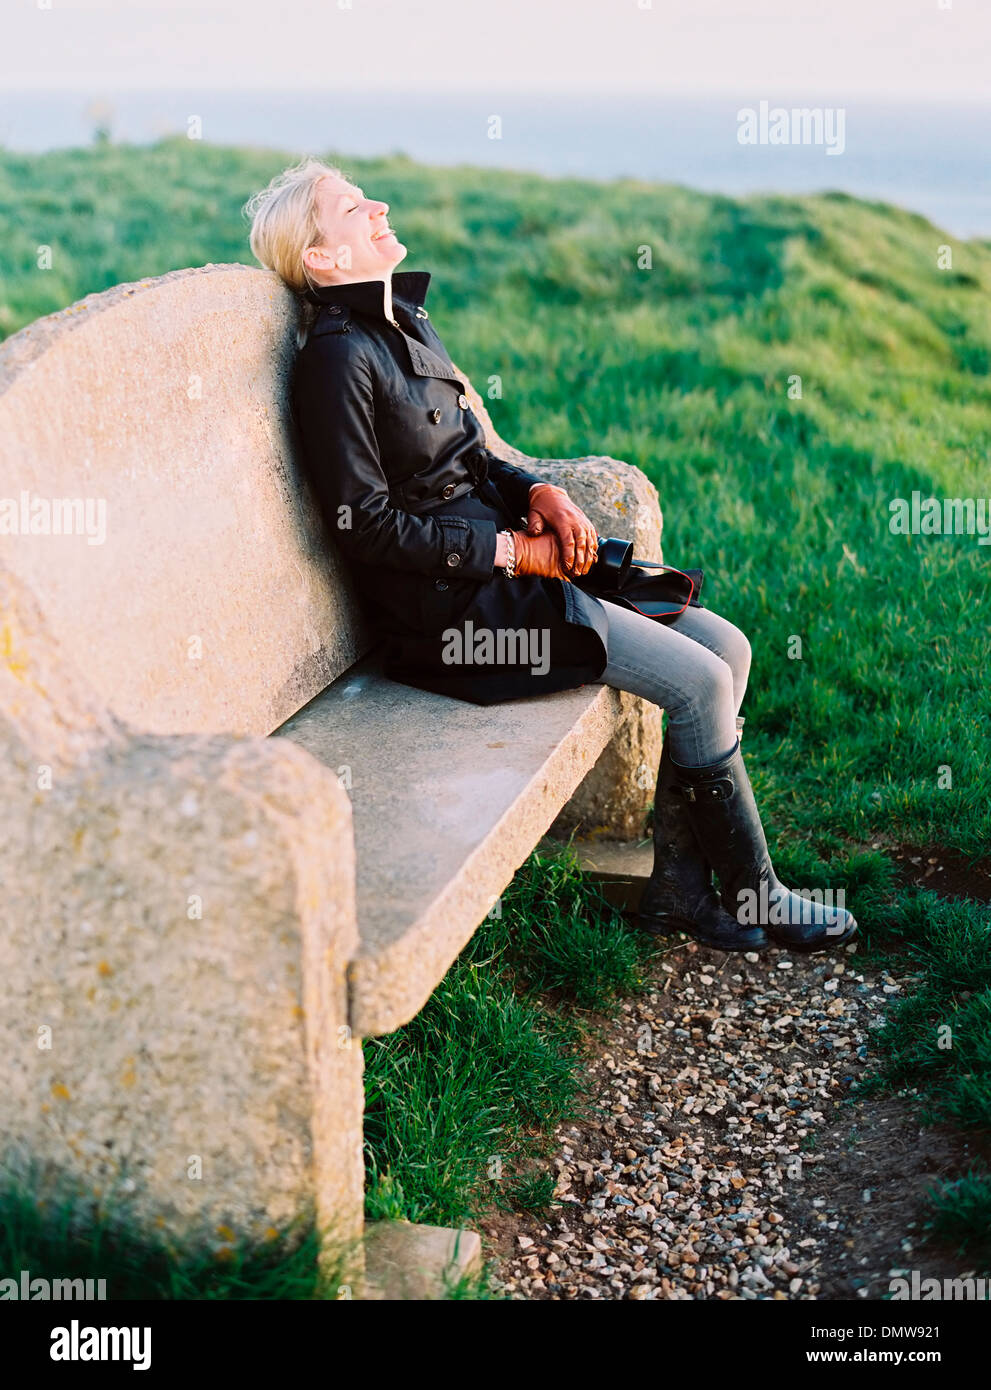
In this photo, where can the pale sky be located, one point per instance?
(916, 49)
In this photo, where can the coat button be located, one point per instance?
(335, 309)
(435, 415)
(463, 402)
(440, 583)
(454, 559)
(448, 491)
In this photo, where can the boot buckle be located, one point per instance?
(720, 790)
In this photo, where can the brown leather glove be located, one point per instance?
(551, 509)
(539, 555)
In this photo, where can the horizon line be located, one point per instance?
(582, 92)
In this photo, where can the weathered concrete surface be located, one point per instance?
(618, 498)
(213, 603)
(418, 1263)
(177, 918)
(448, 801)
(181, 975)
(621, 868)
(614, 798)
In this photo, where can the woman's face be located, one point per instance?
(358, 243)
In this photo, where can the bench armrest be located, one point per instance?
(617, 497)
(178, 927)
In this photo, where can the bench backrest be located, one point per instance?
(207, 598)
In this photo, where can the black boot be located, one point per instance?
(679, 896)
(720, 804)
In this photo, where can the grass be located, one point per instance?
(457, 1102)
(57, 1239)
(959, 1216)
(783, 369)
(936, 1040)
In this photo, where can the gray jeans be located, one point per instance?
(696, 668)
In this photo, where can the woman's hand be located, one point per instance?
(539, 555)
(551, 509)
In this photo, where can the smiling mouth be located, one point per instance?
(386, 231)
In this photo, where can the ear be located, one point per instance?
(319, 258)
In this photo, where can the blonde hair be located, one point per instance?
(284, 223)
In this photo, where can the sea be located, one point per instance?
(931, 158)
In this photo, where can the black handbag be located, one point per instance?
(621, 579)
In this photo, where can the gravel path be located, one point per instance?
(695, 1178)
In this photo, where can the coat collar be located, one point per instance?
(367, 297)
(409, 288)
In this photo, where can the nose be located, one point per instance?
(379, 208)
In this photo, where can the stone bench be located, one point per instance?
(201, 921)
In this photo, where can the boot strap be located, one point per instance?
(719, 790)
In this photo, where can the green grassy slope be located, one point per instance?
(682, 369)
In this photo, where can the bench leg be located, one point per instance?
(613, 800)
(339, 1169)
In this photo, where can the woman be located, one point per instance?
(469, 565)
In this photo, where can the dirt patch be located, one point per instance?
(876, 1164)
(946, 871)
(726, 1153)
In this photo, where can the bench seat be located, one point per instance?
(449, 799)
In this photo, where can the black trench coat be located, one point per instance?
(397, 461)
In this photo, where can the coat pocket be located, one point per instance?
(443, 602)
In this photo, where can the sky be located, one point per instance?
(919, 50)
